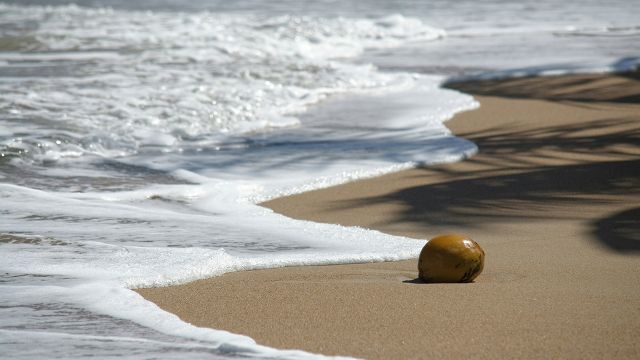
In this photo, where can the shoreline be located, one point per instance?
(547, 197)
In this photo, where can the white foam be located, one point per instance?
(170, 234)
(168, 79)
(103, 298)
(102, 270)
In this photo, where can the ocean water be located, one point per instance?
(137, 137)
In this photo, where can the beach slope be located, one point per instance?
(553, 196)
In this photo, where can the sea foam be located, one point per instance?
(136, 146)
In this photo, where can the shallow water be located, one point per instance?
(136, 139)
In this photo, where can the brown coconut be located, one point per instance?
(450, 258)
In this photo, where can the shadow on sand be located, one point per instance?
(588, 87)
(523, 174)
(621, 231)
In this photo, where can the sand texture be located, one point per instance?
(553, 197)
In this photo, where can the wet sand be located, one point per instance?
(553, 196)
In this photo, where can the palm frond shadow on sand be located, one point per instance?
(586, 87)
(507, 182)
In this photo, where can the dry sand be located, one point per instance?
(553, 197)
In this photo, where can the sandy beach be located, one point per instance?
(553, 196)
